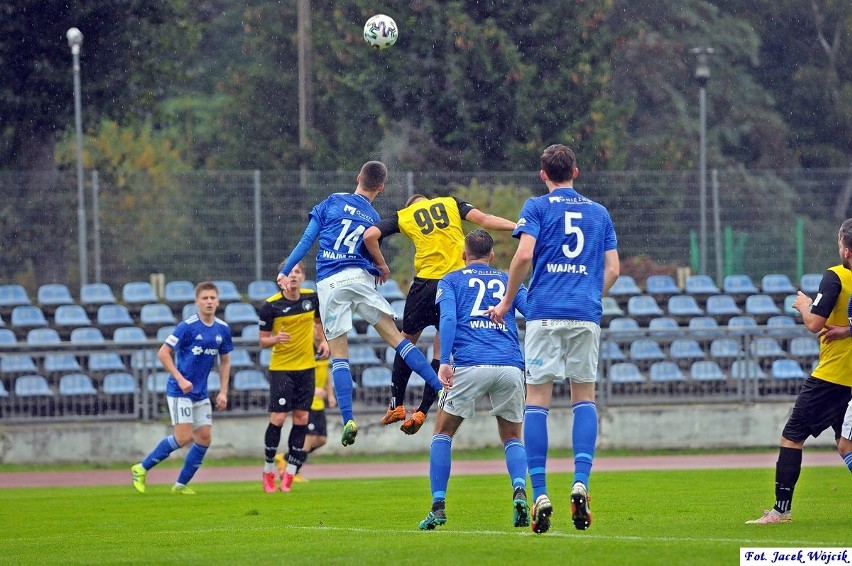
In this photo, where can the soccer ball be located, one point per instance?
(380, 31)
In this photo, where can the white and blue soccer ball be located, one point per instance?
(380, 31)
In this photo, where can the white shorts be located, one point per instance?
(353, 290)
(184, 411)
(503, 384)
(846, 431)
(556, 350)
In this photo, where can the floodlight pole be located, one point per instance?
(75, 40)
(702, 75)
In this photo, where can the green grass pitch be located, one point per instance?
(684, 517)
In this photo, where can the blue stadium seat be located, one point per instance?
(113, 316)
(7, 337)
(88, 335)
(155, 315)
(722, 307)
(129, 335)
(32, 386)
(664, 372)
(706, 370)
(105, 362)
(61, 363)
(138, 293)
(740, 325)
(747, 369)
(68, 317)
(804, 348)
(777, 285)
(809, 283)
(761, 307)
(188, 310)
(787, 369)
(609, 351)
(25, 318)
(146, 360)
(726, 350)
(250, 380)
(3, 393)
(684, 307)
(704, 328)
(624, 328)
(119, 383)
(178, 292)
(156, 382)
(700, 286)
(93, 295)
(643, 308)
(611, 309)
(261, 290)
(739, 285)
(13, 296)
(241, 359)
(214, 382)
(250, 332)
(164, 331)
(363, 355)
(391, 290)
(51, 295)
(625, 372)
(766, 347)
(661, 287)
(11, 364)
(664, 328)
(625, 286)
(228, 292)
(43, 336)
(788, 306)
(782, 326)
(75, 384)
(644, 352)
(376, 377)
(240, 314)
(685, 351)
(264, 357)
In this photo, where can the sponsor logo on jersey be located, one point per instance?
(199, 337)
(218, 339)
(521, 222)
(198, 350)
(439, 293)
(566, 268)
(306, 305)
(286, 310)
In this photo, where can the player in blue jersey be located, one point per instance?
(346, 284)
(487, 360)
(198, 341)
(570, 243)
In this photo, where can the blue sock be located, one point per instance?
(192, 463)
(535, 440)
(847, 458)
(440, 461)
(418, 363)
(584, 437)
(516, 462)
(160, 452)
(342, 377)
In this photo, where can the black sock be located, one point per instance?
(297, 454)
(787, 470)
(429, 394)
(399, 380)
(272, 439)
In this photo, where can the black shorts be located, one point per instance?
(291, 390)
(820, 404)
(316, 423)
(420, 308)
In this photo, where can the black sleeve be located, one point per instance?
(266, 316)
(388, 226)
(829, 290)
(464, 207)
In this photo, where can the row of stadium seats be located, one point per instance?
(705, 370)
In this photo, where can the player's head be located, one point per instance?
(297, 274)
(844, 243)
(372, 176)
(206, 298)
(558, 164)
(478, 246)
(416, 197)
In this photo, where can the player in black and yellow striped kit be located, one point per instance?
(435, 227)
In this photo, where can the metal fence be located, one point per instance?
(237, 225)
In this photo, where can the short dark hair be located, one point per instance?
(205, 286)
(558, 162)
(478, 244)
(373, 175)
(411, 200)
(846, 233)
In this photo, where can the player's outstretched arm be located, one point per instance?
(371, 242)
(307, 240)
(490, 221)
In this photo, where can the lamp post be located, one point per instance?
(702, 75)
(75, 40)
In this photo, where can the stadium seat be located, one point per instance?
(189, 309)
(111, 317)
(157, 382)
(76, 384)
(788, 307)
(55, 364)
(119, 383)
(264, 357)
(700, 286)
(610, 310)
(761, 307)
(240, 314)
(68, 317)
(164, 331)
(17, 364)
(12, 296)
(391, 291)
(726, 351)
(7, 337)
(624, 288)
(740, 325)
(662, 372)
(684, 307)
(766, 348)
(805, 349)
(609, 351)
(261, 290)
(376, 384)
(214, 382)
(704, 328)
(722, 307)
(93, 295)
(250, 388)
(33, 396)
(643, 308)
(155, 315)
(88, 335)
(777, 285)
(241, 359)
(664, 329)
(809, 283)
(32, 386)
(43, 336)
(228, 292)
(137, 293)
(250, 332)
(145, 360)
(739, 287)
(685, 351)
(51, 295)
(625, 372)
(105, 362)
(3, 393)
(706, 370)
(747, 369)
(661, 287)
(644, 352)
(782, 326)
(129, 335)
(178, 292)
(624, 328)
(363, 355)
(25, 318)
(787, 369)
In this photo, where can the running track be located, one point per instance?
(213, 473)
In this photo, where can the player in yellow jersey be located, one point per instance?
(825, 395)
(435, 227)
(290, 324)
